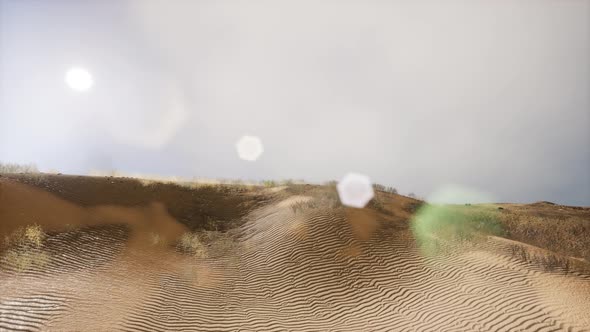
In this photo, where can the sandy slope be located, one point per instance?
(314, 270)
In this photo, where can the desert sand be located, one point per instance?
(111, 261)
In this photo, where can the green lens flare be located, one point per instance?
(444, 222)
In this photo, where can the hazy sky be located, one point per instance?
(493, 96)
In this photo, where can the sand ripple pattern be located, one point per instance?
(311, 273)
(30, 313)
(307, 271)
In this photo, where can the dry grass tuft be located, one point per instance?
(25, 248)
(565, 234)
(387, 189)
(269, 183)
(148, 180)
(34, 235)
(301, 206)
(547, 261)
(30, 236)
(321, 198)
(18, 168)
(377, 204)
(326, 197)
(207, 244)
(455, 222)
(299, 189)
(23, 260)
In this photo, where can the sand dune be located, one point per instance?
(326, 269)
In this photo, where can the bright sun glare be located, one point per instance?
(79, 79)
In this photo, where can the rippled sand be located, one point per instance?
(326, 269)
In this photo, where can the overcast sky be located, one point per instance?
(492, 96)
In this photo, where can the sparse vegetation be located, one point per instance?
(207, 244)
(327, 197)
(209, 206)
(377, 204)
(320, 198)
(380, 187)
(301, 206)
(22, 260)
(25, 248)
(298, 189)
(35, 235)
(148, 180)
(269, 183)
(454, 223)
(30, 236)
(548, 261)
(563, 233)
(18, 168)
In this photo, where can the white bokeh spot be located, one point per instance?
(249, 148)
(355, 190)
(79, 79)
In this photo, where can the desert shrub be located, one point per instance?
(269, 183)
(442, 229)
(22, 260)
(34, 234)
(548, 261)
(302, 206)
(452, 223)
(298, 189)
(376, 203)
(18, 168)
(380, 187)
(316, 203)
(207, 244)
(30, 236)
(25, 248)
(566, 235)
(321, 198)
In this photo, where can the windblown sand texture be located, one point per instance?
(322, 269)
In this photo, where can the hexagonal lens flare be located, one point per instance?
(355, 190)
(249, 148)
(79, 79)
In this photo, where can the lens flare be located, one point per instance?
(79, 79)
(355, 190)
(249, 148)
(443, 223)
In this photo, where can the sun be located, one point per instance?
(79, 79)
